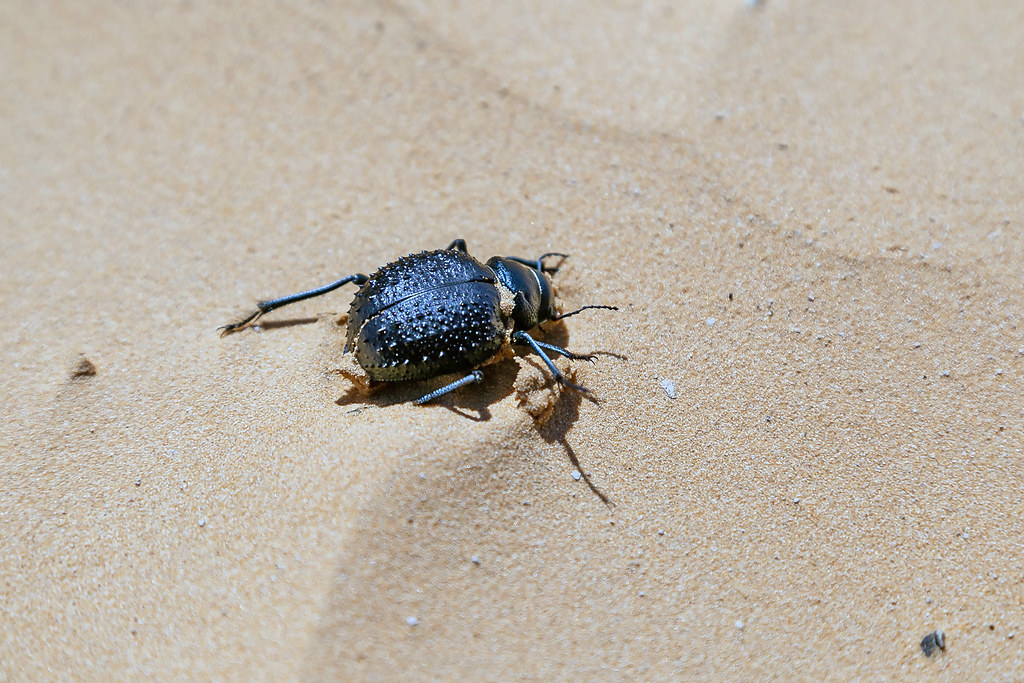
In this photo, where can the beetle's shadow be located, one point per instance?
(473, 402)
(563, 416)
(280, 323)
(567, 407)
(556, 333)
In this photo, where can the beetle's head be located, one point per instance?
(534, 297)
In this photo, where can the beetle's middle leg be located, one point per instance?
(471, 378)
(264, 307)
(523, 338)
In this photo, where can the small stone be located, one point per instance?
(202, 521)
(936, 640)
(83, 368)
(411, 621)
(576, 474)
(711, 321)
(670, 387)
(740, 625)
(475, 560)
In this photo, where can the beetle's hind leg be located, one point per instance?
(471, 378)
(523, 338)
(264, 307)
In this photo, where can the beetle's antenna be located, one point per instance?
(580, 310)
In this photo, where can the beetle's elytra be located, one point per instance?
(443, 312)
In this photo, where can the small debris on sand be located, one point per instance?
(936, 640)
(670, 387)
(83, 368)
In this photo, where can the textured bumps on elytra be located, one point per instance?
(424, 315)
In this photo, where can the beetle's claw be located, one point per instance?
(572, 385)
(551, 269)
(240, 325)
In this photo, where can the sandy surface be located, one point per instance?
(810, 214)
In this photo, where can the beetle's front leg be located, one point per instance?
(538, 263)
(564, 352)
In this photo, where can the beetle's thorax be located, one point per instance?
(533, 297)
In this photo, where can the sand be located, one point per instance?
(810, 420)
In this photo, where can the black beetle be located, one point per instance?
(442, 312)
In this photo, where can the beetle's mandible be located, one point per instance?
(443, 312)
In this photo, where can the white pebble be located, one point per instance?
(576, 474)
(740, 625)
(412, 621)
(670, 387)
(711, 321)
